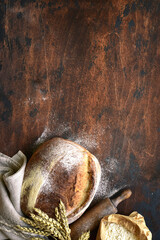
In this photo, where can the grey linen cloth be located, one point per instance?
(11, 177)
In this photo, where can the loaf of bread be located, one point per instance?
(120, 227)
(60, 169)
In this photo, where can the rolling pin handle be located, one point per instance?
(121, 197)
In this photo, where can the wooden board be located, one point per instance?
(87, 71)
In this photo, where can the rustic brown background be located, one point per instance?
(88, 71)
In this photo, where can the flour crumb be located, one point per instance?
(107, 187)
(44, 136)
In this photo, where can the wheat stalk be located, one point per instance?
(33, 230)
(64, 220)
(85, 236)
(41, 224)
(57, 214)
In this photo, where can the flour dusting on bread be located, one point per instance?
(62, 170)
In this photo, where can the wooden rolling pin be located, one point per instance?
(91, 218)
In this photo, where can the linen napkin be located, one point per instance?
(11, 177)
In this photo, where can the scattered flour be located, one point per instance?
(34, 100)
(44, 98)
(90, 141)
(49, 133)
(86, 141)
(44, 136)
(107, 186)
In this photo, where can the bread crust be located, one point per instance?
(60, 169)
(134, 223)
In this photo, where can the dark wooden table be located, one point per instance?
(87, 71)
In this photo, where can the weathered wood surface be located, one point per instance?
(88, 71)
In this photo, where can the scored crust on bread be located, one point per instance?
(133, 225)
(60, 169)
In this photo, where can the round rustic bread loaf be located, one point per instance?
(60, 169)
